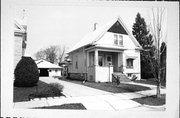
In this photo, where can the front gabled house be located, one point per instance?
(106, 50)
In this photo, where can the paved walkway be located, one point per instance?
(92, 99)
(75, 90)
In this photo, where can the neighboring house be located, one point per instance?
(48, 69)
(64, 65)
(108, 49)
(20, 38)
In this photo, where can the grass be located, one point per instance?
(114, 88)
(150, 81)
(73, 106)
(111, 87)
(41, 90)
(151, 100)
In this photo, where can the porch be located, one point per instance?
(102, 63)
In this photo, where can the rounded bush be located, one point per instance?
(26, 73)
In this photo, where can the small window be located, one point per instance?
(129, 74)
(55, 70)
(115, 39)
(49, 70)
(129, 63)
(108, 58)
(120, 40)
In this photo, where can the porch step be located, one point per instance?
(121, 76)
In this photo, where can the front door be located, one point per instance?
(109, 60)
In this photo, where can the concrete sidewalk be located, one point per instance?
(99, 102)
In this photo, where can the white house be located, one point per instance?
(48, 69)
(106, 50)
(20, 38)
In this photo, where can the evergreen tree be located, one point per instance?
(144, 38)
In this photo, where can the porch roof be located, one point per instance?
(108, 47)
(93, 37)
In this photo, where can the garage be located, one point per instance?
(43, 72)
(47, 69)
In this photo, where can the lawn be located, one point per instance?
(73, 106)
(111, 87)
(41, 90)
(150, 81)
(151, 100)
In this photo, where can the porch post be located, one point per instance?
(96, 58)
(87, 59)
(119, 59)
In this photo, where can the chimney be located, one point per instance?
(95, 26)
(23, 14)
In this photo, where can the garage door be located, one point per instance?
(44, 72)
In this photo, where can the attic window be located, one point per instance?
(118, 39)
(115, 39)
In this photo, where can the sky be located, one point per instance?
(66, 25)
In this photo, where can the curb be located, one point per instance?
(162, 107)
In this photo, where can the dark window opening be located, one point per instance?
(108, 58)
(44, 72)
(129, 63)
(100, 60)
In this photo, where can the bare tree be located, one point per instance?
(40, 55)
(61, 53)
(53, 53)
(154, 53)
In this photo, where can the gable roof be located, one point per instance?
(94, 36)
(18, 27)
(46, 64)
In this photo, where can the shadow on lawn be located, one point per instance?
(72, 106)
(42, 89)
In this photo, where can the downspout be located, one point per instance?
(109, 72)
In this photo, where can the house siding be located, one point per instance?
(108, 39)
(136, 62)
(77, 68)
(18, 51)
(55, 73)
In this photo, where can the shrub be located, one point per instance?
(56, 88)
(26, 73)
(52, 90)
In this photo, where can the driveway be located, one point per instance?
(92, 99)
(75, 90)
